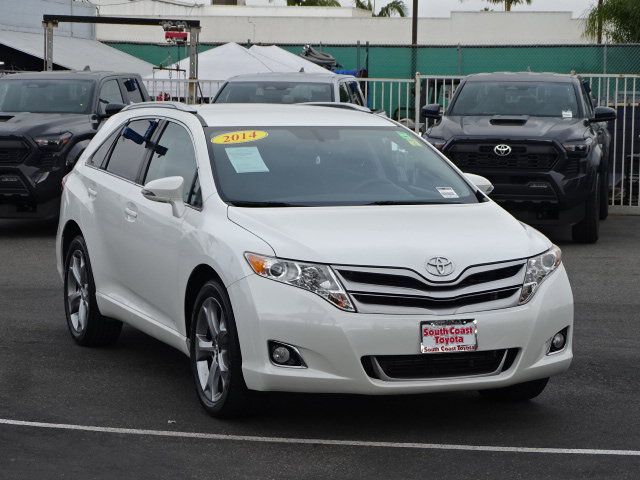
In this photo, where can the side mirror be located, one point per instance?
(484, 185)
(603, 114)
(111, 109)
(166, 190)
(431, 111)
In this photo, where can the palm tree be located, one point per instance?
(394, 7)
(618, 20)
(509, 3)
(313, 3)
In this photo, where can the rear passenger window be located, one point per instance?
(130, 148)
(99, 156)
(174, 156)
(356, 96)
(345, 96)
(133, 89)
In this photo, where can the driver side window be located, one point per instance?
(109, 93)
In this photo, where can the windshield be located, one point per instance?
(275, 92)
(45, 96)
(318, 166)
(538, 99)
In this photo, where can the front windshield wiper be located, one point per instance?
(409, 202)
(262, 204)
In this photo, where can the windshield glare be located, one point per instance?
(318, 166)
(275, 92)
(539, 99)
(45, 96)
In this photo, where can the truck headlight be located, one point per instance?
(314, 277)
(538, 269)
(53, 142)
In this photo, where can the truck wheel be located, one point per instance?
(520, 392)
(604, 196)
(588, 229)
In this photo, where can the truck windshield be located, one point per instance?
(45, 95)
(275, 92)
(538, 99)
(327, 166)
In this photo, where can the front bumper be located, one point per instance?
(333, 342)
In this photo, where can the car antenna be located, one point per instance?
(87, 68)
(301, 70)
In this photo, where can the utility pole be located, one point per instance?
(600, 22)
(414, 38)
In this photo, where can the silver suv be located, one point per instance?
(291, 88)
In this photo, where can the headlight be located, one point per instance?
(53, 142)
(314, 277)
(578, 147)
(539, 268)
(439, 143)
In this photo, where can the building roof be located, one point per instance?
(75, 53)
(66, 75)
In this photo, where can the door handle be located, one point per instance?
(92, 192)
(130, 213)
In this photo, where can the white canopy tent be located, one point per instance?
(218, 64)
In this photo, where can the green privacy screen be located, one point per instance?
(396, 61)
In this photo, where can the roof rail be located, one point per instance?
(345, 106)
(183, 107)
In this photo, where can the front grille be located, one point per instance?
(481, 156)
(400, 290)
(13, 152)
(440, 365)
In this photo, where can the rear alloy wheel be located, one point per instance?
(86, 325)
(588, 229)
(215, 354)
(520, 392)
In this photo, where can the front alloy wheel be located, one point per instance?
(216, 361)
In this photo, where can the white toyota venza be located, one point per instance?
(306, 249)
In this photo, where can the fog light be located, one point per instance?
(558, 341)
(285, 355)
(281, 355)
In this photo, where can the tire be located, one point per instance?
(520, 392)
(86, 325)
(216, 361)
(604, 195)
(588, 229)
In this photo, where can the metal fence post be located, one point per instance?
(416, 106)
(48, 44)
(459, 59)
(194, 35)
(604, 59)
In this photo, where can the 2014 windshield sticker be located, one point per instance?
(567, 114)
(411, 140)
(241, 136)
(447, 192)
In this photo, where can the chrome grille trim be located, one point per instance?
(404, 291)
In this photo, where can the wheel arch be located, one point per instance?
(71, 230)
(199, 276)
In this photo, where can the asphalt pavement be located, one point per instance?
(143, 390)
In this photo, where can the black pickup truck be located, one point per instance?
(538, 138)
(46, 120)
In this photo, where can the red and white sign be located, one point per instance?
(449, 336)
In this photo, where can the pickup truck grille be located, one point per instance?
(399, 290)
(481, 156)
(13, 152)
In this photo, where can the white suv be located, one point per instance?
(307, 249)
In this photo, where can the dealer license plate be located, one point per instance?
(448, 336)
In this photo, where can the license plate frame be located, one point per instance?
(448, 336)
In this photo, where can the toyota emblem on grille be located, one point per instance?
(440, 266)
(502, 150)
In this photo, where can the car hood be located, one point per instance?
(393, 236)
(498, 127)
(40, 123)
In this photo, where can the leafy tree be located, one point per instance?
(394, 7)
(617, 20)
(313, 3)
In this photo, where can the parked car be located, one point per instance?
(291, 88)
(538, 139)
(306, 249)
(46, 121)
